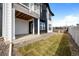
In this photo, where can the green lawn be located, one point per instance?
(57, 44)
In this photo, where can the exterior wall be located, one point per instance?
(0, 19)
(21, 26)
(7, 23)
(37, 8)
(43, 17)
(74, 31)
(49, 22)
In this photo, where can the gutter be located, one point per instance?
(49, 9)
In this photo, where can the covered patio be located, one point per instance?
(25, 25)
(22, 24)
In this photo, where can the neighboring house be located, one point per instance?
(25, 18)
(60, 29)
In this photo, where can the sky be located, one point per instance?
(66, 14)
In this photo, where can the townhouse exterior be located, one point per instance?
(24, 18)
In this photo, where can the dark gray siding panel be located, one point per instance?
(36, 25)
(0, 19)
(43, 16)
(43, 12)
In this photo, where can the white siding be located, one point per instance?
(21, 26)
(49, 22)
(7, 22)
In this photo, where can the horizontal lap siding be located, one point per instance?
(49, 22)
(43, 17)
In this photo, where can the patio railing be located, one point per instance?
(35, 7)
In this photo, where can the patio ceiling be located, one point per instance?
(23, 16)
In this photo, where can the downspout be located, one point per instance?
(4, 27)
(10, 44)
(12, 32)
(10, 48)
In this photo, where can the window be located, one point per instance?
(42, 26)
(49, 17)
(50, 26)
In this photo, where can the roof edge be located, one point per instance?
(49, 9)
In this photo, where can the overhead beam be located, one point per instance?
(23, 16)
